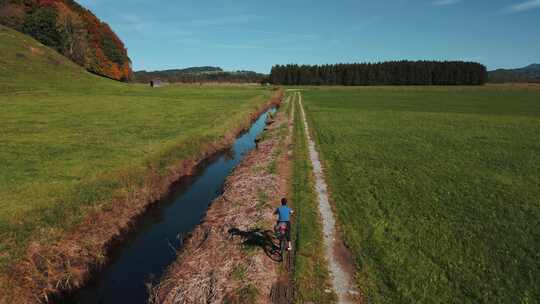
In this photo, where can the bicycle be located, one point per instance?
(281, 235)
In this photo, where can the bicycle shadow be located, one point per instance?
(259, 238)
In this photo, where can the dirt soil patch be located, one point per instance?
(232, 257)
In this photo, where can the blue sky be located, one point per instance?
(256, 34)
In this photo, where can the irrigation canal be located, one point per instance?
(143, 257)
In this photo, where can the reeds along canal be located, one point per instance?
(142, 258)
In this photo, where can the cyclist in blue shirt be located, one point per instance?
(284, 216)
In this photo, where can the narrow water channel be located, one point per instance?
(147, 252)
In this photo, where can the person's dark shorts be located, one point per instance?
(288, 233)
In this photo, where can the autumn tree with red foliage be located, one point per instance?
(46, 2)
(73, 31)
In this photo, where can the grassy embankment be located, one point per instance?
(310, 272)
(435, 189)
(72, 142)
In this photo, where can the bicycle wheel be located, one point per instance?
(283, 249)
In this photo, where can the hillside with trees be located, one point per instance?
(73, 31)
(200, 74)
(385, 73)
(530, 73)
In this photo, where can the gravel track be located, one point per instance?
(342, 282)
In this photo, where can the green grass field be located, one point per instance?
(68, 138)
(436, 190)
(310, 270)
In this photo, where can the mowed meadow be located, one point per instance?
(71, 140)
(436, 189)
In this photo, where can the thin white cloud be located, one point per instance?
(524, 6)
(130, 18)
(239, 46)
(262, 47)
(226, 20)
(365, 23)
(188, 41)
(445, 2)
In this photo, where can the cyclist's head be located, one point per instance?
(284, 201)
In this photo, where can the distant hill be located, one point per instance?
(206, 69)
(73, 31)
(199, 74)
(529, 73)
(28, 66)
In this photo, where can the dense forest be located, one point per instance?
(71, 30)
(200, 74)
(530, 73)
(385, 73)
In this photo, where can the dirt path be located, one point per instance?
(339, 263)
(283, 289)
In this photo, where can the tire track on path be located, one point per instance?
(340, 268)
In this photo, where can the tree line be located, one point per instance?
(384, 73)
(194, 75)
